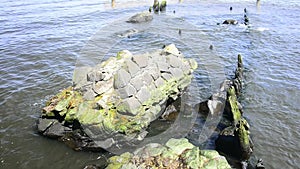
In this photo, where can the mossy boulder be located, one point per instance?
(176, 153)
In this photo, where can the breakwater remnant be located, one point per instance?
(116, 100)
(234, 140)
(231, 138)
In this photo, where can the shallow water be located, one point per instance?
(41, 43)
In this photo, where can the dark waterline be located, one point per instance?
(41, 42)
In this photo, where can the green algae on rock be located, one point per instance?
(234, 109)
(153, 155)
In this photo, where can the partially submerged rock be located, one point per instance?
(230, 22)
(176, 153)
(141, 17)
(127, 33)
(118, 98)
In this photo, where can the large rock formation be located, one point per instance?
(176, 153)
(116, 100)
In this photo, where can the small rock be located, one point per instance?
(56, 130)
(43, 124)
(170, 113)
(91, 167)
(94, 76)
(141, 17)
(178, 146)
(128, 33)
(246, 20)
(230, 22)
(260, 164)
(171, 49)
(103, 86)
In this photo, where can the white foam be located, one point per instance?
(261, 29)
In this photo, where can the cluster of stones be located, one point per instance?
(120, 96)
(138, 84)
(176, 153)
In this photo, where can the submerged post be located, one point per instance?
(113, 3)
(155, 6)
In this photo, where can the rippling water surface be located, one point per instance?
(41, 42)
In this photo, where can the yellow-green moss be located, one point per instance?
(236, 114)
